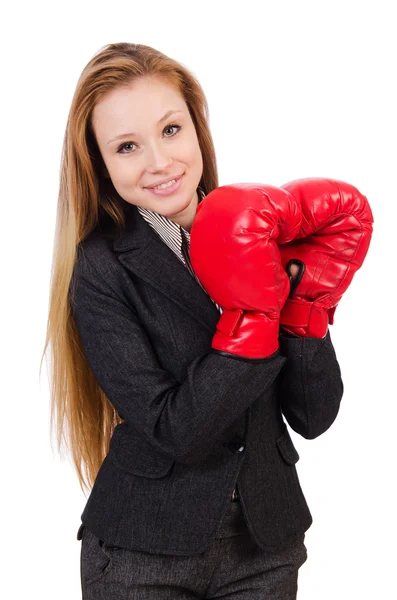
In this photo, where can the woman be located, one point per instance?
(194, 487)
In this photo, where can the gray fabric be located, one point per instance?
(233, 567)
(178, 240)
(196, 421)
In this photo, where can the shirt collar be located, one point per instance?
(165, 226)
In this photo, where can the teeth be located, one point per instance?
(165, 185)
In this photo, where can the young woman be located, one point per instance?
(194, 489)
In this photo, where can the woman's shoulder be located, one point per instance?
(98, 244)
(96, 261)
(95, 249)
(96, 268)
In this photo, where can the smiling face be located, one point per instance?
(150, 147)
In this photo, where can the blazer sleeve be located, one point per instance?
(180, 420)
(310, 384)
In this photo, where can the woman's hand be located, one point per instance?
(330, 247)
(234, 253)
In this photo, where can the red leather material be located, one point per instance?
(234, 253)
(332, 242)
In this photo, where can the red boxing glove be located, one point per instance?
(330, 247)
(234, 253)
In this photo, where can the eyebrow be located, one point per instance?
(123, 135)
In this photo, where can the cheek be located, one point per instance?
(123, 179)
(125, 173)
(192, 153)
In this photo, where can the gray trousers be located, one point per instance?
(234, 566)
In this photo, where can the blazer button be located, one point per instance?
(236, 445)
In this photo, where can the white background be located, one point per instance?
(295, 89)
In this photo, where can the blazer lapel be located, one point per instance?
(142, 252)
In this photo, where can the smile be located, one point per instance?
(168, 188)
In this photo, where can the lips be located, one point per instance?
(164, 181)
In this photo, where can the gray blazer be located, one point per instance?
(195, 421)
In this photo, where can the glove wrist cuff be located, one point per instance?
(248, 334)
(306, 319)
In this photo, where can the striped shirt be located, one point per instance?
(178, 240)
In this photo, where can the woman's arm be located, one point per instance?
(182, 420)
(310, 384)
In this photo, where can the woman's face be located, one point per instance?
(149, 148)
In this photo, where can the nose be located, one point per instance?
(157, 158)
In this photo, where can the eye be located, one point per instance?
(171, 126)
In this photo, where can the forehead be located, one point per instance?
(135, 106)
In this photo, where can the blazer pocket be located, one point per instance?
(136, 456)
(287, 449)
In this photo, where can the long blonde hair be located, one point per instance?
(83, 416)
